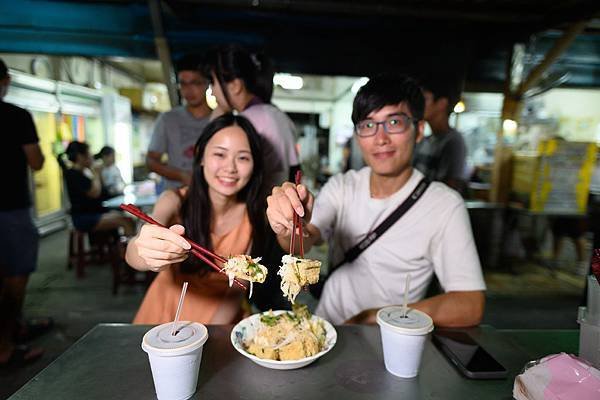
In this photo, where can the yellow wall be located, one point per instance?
(47, 181)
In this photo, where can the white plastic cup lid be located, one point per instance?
(190, 336)
(415, 323)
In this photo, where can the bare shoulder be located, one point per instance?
(170, 198)
(167, 206)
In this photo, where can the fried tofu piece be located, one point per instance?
(309, 271)
(263, 352)
(292, 351)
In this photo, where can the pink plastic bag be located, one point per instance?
(558, 377)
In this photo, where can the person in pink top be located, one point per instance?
(243, 82)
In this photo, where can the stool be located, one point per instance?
(104, 247)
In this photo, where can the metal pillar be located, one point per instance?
(162, 49)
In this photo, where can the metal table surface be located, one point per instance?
(108, 363)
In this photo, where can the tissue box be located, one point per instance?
(558, 377)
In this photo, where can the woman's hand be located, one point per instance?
(160, 247)
(284, 201)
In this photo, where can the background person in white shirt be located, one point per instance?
(434, 236)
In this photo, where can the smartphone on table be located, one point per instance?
(472, 360)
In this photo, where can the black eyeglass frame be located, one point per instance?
(402, 115)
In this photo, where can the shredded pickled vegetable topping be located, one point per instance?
(296, 273)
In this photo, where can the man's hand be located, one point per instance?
(284, 201)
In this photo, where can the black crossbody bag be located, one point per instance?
(353, 253)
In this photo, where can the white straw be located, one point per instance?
(406, 289)
(179, 307)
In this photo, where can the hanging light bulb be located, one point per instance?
(211, 100)
(288, 81)
(459, 107)
(360, 82)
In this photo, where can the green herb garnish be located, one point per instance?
(269, 320)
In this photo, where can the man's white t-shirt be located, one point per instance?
(433, 236)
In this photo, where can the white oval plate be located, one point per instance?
(247, 327)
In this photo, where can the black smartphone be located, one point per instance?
(467, 355)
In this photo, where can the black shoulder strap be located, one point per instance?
(355, 251)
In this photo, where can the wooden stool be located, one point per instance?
(103, 247)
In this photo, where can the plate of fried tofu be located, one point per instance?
(284, 339)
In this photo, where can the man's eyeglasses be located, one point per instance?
(398, 123)
(184, 84)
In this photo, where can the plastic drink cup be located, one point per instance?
(403, 339)
(175, 360)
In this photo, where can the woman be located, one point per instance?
(112, 180)
(243, 82)
(85, 193)
(223, 210)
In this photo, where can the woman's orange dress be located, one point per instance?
(209, 299)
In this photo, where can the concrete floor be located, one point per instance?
(528, 297)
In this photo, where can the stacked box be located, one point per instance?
(555, 179)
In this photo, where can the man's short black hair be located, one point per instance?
(444, 86)
(388, 89)
(190, 62)
(3, 70)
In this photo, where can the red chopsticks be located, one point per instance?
(297, 224)
(197, 250)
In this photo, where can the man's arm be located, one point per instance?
(34, 156)
(449, 310)
(454, 309)
(155, 165)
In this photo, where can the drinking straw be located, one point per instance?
(179, 307)
(406, 289)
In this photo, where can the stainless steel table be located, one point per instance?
(108, 363)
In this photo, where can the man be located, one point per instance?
(433, 236)
(441, 156)
(18, 235)
(176, 131)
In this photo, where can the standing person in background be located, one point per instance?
(112, 180)
(441, 156)
(18, 235)
(243, 81)
(176, 131)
